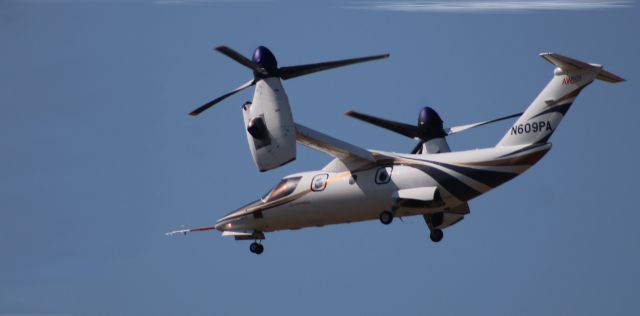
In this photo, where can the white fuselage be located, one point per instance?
(360, 195)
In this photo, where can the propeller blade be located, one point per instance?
(240, 59)
(216, 100)
(417, 149)
(457, 129)
(301, 70)
(400, 128)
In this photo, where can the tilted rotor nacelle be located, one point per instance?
(269, 125)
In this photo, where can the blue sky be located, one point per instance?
(99, 158)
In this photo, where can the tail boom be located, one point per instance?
(542, 117)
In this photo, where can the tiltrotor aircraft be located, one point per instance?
(360, 184)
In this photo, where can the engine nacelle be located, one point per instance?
(269, 124)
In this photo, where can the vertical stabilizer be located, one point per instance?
(542, 117)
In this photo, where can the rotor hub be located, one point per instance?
(265, 59)
(430, 124)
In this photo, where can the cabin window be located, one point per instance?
(283, 188)
(383, 175)
(319, 182)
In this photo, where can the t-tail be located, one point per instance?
(542, 117)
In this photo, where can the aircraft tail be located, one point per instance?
(542, 117)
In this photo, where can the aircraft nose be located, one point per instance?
(220, 226)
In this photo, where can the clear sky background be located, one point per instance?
(100, 159)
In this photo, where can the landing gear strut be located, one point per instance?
(256, 248)
(434, 221)
(386, 217)
(436, 235)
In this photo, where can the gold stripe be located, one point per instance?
(290, 198)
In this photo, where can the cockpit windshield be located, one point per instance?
(283, 188)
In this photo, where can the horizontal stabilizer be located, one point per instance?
(609, 77)
(568, 63)
(329, 145)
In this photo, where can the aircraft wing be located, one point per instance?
(341, 150)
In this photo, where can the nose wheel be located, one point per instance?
(256, 248)
(386, 217)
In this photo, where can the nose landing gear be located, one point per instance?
(386, 217)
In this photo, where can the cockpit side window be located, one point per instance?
(283, 188)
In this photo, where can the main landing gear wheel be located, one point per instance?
(436, 235)
(256, 248)
(386, 217)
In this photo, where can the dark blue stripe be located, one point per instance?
(488, 177)
(521, 150)
(456, 187)
(562, 109)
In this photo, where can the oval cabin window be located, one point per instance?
(319, 182)
(383, 175)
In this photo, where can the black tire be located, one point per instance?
(260, 249)
(436, 235)
(386, 217)
(255, 247)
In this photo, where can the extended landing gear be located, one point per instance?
(436, 235)
(433, 221)
(386, 217)
(256, 248)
